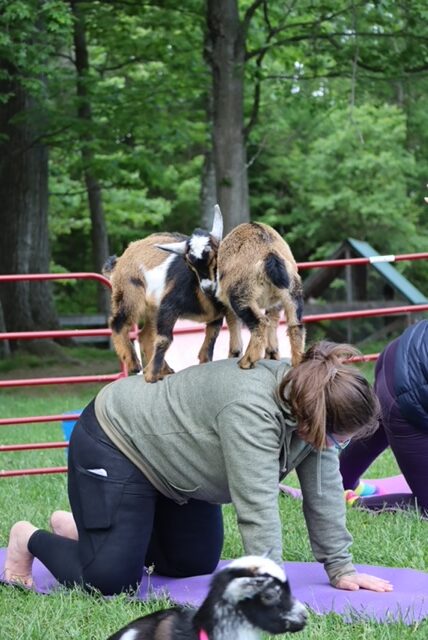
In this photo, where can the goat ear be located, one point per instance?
(173, 247)
(217, 230)
(244, 588)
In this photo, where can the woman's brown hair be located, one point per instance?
(327, 394)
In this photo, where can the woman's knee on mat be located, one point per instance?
(112, 578)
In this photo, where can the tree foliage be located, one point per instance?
(333, 115)
(352, 179)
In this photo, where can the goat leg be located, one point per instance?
(272, 348)
(293, 307)
(235, 337)
(124, 347)
(212, 330)
(257, 324)
(157, 368)
(296, 334)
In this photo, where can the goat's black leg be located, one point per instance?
(156, 368)
(120, 328)
(252, 316)
(212, 330)
(293, 307)
(235, 337)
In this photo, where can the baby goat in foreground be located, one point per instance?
(157, 280)
(256, 270)
(250, 596)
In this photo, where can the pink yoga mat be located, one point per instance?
(407, 603)
(384, 486)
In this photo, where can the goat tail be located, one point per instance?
(109, 266)
(276, 270)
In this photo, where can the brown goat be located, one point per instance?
(157, 280)
(256, 270)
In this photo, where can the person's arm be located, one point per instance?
(325, 514)
(250, 439)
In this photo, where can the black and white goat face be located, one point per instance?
(200, 252)
(257, 590)
(250, 596)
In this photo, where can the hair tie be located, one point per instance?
(333, 373)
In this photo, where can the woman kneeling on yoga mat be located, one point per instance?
(151, 464)
(401, 384)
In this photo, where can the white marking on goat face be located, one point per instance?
(207, 285)
(130, 634)
(242, 588)
(198, 244)
(259, 566)
(156, 278)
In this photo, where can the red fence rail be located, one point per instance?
(31, 335)
(342, 262)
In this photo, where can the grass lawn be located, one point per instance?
(398, 540)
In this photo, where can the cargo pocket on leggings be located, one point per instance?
(99, 498)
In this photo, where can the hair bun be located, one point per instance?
(327, 351)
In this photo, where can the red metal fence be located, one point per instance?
(31, 335)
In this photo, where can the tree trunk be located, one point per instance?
(24, 240)
(4, 344)
(208, 191)
(226, 53)
(99, 238)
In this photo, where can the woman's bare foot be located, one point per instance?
(18, 563)
(62, 523)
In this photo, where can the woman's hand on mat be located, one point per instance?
(357, 581)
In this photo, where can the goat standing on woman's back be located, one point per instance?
(157, 280)
(256, 270)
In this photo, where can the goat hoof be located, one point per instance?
(132, 366)
(149, 376)
(271, 355)
(246, 363)
(152, 379)
(136, 371)
(166, 370)
(234, 354)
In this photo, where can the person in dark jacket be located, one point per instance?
(401, 384)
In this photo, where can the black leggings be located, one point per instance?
(123, 522)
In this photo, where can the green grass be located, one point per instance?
(398, 540)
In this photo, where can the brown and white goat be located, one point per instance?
(157, 280)
(256, 270)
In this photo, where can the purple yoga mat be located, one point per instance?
(384, 486)
(408, 602)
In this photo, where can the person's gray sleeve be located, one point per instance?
(324, 509)
(250, 441)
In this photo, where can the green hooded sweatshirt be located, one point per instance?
(218, 433)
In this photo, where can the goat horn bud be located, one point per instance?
(217, 230)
